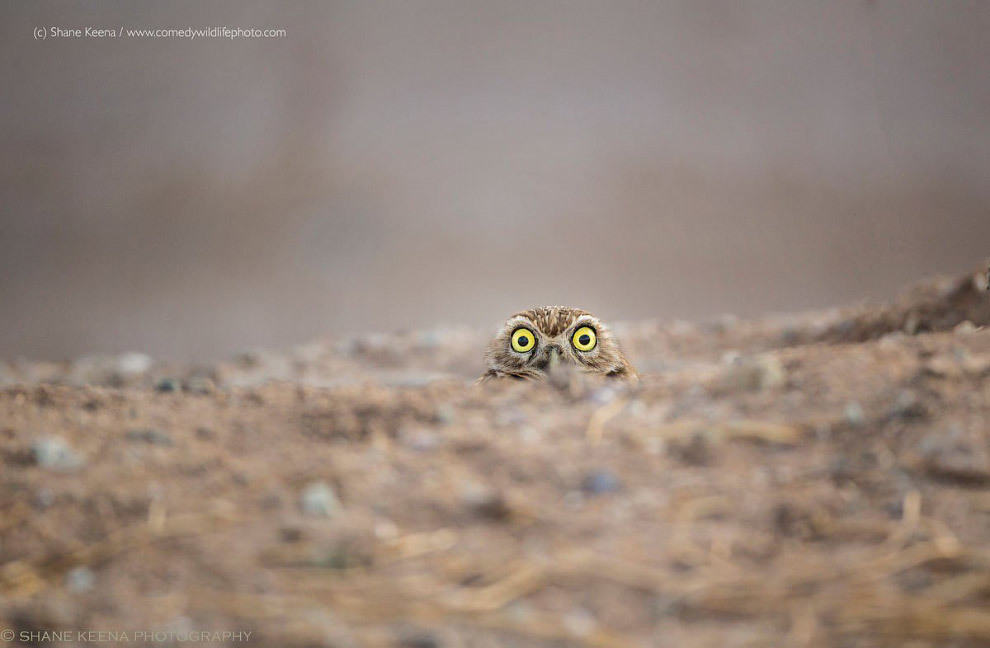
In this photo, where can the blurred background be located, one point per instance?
(395, 165)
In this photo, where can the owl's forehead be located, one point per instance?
(552, 320)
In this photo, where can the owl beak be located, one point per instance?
(558, 370)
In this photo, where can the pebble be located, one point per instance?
(80, 579)
(55, 454)
(153, 436)
(168, 385)
(133, 363)
(964, 328)
(854, 414)
(601, 482)
(318, 499)
(482, 500)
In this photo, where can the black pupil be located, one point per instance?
(585, 339)
(523, 340)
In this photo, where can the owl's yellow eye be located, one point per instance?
(584, 339)
(523, 340)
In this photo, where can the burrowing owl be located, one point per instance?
(533, 343)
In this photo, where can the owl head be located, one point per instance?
(534, 343)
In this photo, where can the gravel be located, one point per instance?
(55, 454)
(318, 499)
(601, 482)
(80, 579)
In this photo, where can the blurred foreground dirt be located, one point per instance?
(813, 480)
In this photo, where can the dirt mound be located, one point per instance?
(762, 485)
(938, 305)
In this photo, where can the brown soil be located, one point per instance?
(815, 480)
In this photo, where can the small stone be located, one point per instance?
(854, 414)
(485, 502)
(55, 454)
(168, 385)
(601, 482)
(318, 499)
(153, 436)
(80, 579)
(133, 363)
(964, 328)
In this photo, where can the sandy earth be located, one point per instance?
(815, 480)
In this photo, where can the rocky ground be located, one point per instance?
(815, 480)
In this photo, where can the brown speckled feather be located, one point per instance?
(552, 320)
